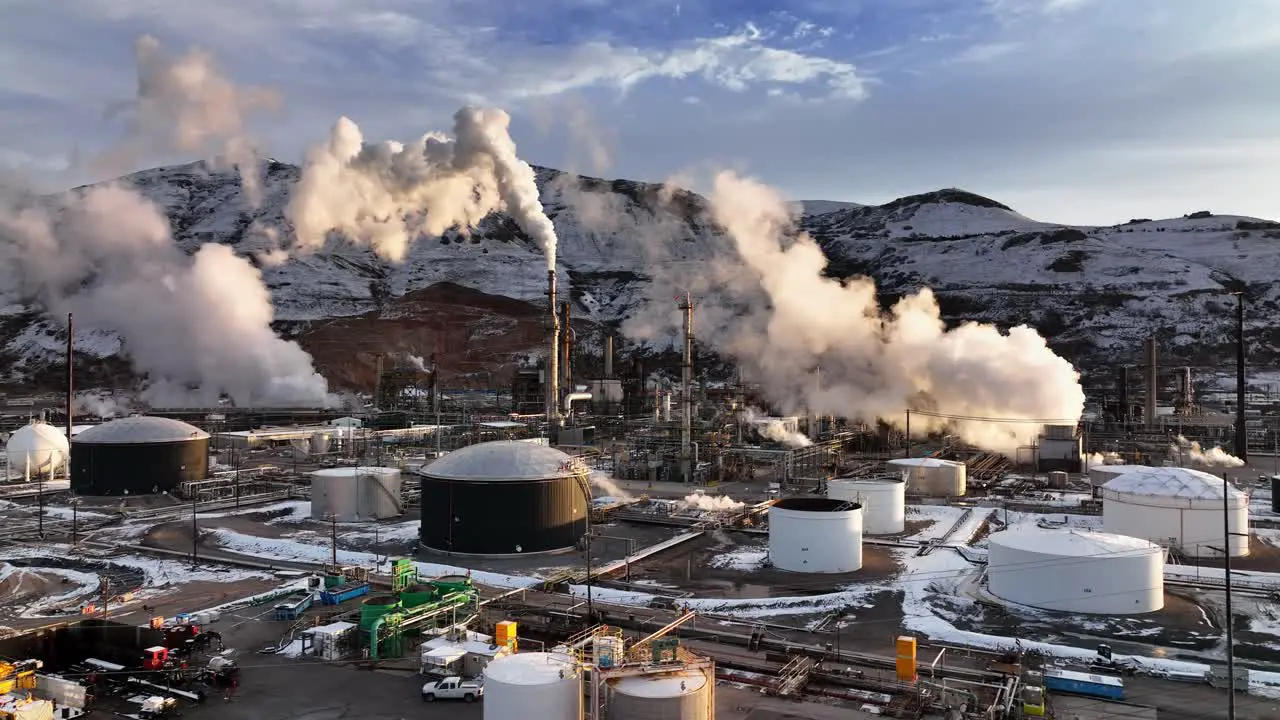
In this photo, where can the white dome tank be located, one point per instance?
(546, 686)
(932, 477)
(1179, 507)
(815, 535)
(883, 501)
(1076, 571)
(676, 696)
(1100, 474)
(37, 449)
(355, 494)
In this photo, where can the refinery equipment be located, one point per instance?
(37, 450)
(883, 501)
(355, 494)
(504, 498)
(1076, 571)
(815, 535)
(544, 685)
(138, 455)
(1099, 475)
(681, 695)
(1060, 447)
(416, 606)
(1180, 507)
(932, 477)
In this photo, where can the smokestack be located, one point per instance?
(1153, 382)
(553, 372)
(71, 335)
(1242, 436)
(1123, 393)
(435, 388)
(686, 401)
(608, 356)
(566, 331)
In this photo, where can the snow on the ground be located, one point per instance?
(66, 513)
(942, 517)
(76, 585)
(297, 509)
(162, 573)
(1239, 578)
(744, 559)
(395, 532)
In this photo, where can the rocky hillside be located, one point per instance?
(1095, 291)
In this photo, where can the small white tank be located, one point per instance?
(529, 686)
(674, 696)
(883, 501)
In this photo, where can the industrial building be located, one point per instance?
(1059, 448)
(932, 477)
(1076, 571)
(883, 501)
(815, 535)
(504, 498)
(138, 455)
(37, 450)
(1179, 507)
(355, 494)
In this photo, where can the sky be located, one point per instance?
(1074, 111)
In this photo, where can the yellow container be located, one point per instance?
(906, 663)
(504, 634)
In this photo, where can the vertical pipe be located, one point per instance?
(1152, 382)
(1226, 559)
(70, 396)
(686, 402)
(552, 371)
(608, 356)
(1242, 435)
(566, 331)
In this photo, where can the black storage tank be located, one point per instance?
(1275, 493)
(504, 498)
(138, 455)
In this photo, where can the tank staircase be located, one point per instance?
(793, 676)
(937, 542)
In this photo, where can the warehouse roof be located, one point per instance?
(501, 460)
(141, 429)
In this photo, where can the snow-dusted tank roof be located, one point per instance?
(1175, 483)
(141, 429)
(37, 437)
(1072, 543)
(924, 462)
(661, 686)
(501, 460)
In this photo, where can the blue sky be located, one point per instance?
(1085, 111)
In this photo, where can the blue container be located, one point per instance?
(1078, 683)
(343, 593)
(292, 606)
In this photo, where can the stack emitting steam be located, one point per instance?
(1191, 452)
(775, 429)
(787, 317)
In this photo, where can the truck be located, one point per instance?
(452, 688)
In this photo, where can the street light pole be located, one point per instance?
(1242, 436)
(1226, 557)
(195, 532)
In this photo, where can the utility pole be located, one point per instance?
(75, 536)
(40, 492)
(333, 538)
(195, 531)
(1226, 559)
(1242, 434)
(907, 435)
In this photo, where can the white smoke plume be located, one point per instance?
(101, 404)
(197, 326)
(185, 104)
(1107, 458)
(775, 429)
(766, 303)
(710, 503)
(386, 195)
(605, 483)
(1191, 452)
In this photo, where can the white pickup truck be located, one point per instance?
(452, 688)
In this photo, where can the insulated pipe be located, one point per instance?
(571, 398)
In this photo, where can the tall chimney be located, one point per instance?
(1242, 435)
(1123, 392)
(566, 360)
(608, 356)
(1153, 383)
(71, 335)
(686, 400)
(551, 382)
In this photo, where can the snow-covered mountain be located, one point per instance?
(1096, 292)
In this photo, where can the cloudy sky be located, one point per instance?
(1085, 111)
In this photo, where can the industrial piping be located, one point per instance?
(571, 398)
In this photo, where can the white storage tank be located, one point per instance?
(1076, 571)
(546, 686)
(932, 477)
(355, 494)
(883, 501)
(673, 696)
(1179, 507)
(815, 535)
(38, 449)
(1099, 475)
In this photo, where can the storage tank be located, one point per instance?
(36, 450)
(319, 444)
(1275, 494)
(883, 501)
(375, 607)
(504, 498)
(1058, 480)
(138, 455)
(1100, 474)
(674, 696)
(355, 494)
(1076, 571)
(1177, 506)
(932, 477)
(524, 686)
(815, 535)
(415, 595)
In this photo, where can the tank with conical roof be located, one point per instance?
(376, 607)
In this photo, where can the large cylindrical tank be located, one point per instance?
(883, 501)
(375, 607)
(138, 455)
(932, 477)
(415, 595)
(504, 498)
(675, 696)
(355, 494)
(35, 450)
(546, 686)
(1177, 506)
(1100, 474)
(815, 535)
(1076, 571)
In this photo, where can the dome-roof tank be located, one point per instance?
(501, 460)
(1173, 482)
(140, 429)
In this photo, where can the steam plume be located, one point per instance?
(197, 326)
(710, 503)
(385, 195)
(1107, 458)
(186, 105)
(766, 303)
(100, 404)
(774, 429)
(1191, 451)
(605, 483)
